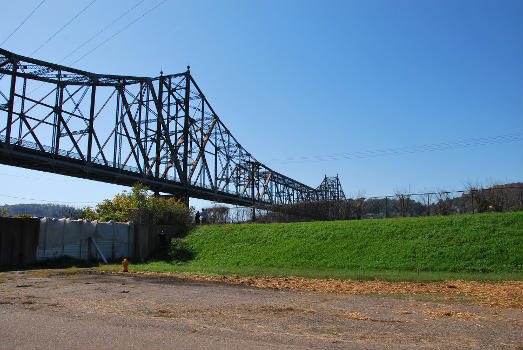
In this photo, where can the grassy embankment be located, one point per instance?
(471, 247)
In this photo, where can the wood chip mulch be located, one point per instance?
(505, 294)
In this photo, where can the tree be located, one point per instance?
(218, 214)
(124, 206)
(443, 202)
(404, 201)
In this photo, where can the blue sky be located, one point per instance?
(308, 79)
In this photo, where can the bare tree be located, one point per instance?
(442, 197)
(217, 214)
(404, 201)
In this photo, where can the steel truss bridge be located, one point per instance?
(160, 131)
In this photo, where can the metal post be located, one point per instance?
(216, 149)
(58, 112)
(91, 123)
(159, 127)
(11, 104)
(22, 107)
(185, 136)
(121, 113)
(472, 200)
(252, 192)
(202, 148)
(140, 105)
(337, 187)
(186, 124)
(117, 114)
(146, 129)
(428, 204)
(167, 120)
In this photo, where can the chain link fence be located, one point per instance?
(499, 198)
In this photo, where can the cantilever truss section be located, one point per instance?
(160, 131)
(330, 189)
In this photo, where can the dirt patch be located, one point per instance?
(59, 273)
(506, 294)
(159, 310)
(452, 313)
(355, 315)
(164, 313)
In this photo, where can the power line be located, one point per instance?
(120, 31)
(459, 144)
(23, 22)
(444, 192)
(92, 37)
(102, 30)
(63, 27)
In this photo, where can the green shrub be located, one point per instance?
(23, 216)
(122, 208)
(179, 250)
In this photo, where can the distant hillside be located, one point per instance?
(40, 210)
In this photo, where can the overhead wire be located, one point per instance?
(109, 38)
(102, 30)
(120, 31)
(94, 36)
(63, 27)
(23, 22)
(458, 144)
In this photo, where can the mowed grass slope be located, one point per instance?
(481, 246)
(490, 242)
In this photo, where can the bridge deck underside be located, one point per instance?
(66, 166)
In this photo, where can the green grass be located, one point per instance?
(472, 247)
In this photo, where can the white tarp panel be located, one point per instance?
(51, 242)
(65, 237)
(123, 240)
(73, 238)
(104, 236)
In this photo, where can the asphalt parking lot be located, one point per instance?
(44, 310)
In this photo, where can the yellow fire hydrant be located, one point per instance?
(125, 265)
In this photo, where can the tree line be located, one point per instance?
(474, 199)
(41, 210)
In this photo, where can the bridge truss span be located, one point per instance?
(159, 131)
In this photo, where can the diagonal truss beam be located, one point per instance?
(161, 131)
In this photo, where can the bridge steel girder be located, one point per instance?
(160, 131)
